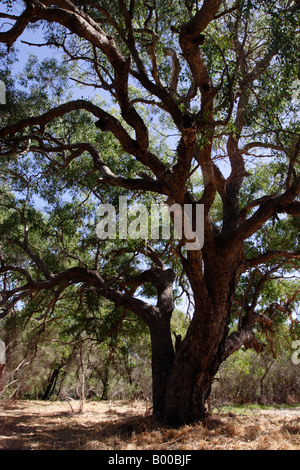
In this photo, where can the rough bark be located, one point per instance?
(2, 368)
(162, 360)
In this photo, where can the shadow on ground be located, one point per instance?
(127, 426)
(63, 430)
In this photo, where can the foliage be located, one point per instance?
(181, 106)
(268, 379)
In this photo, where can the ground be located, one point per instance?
(38, 425)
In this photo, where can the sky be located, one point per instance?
(35, 36)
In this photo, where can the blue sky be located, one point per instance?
(35, 36)
(25, 50)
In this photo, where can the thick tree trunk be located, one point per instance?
(162, 359)
(2, 367)
(193, 371)
(182, 381)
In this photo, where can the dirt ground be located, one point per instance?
(37, 425)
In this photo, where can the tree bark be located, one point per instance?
(162, 359)
(49, 391)
(182, 382)
(195, 365)
(2, 367)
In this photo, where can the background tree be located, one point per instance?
(76, 353)
(268, 378)
(203, 74)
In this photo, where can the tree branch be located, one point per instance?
(78, 275)
(266, 210)
(105, 122)
(9, 37)
(269, 255)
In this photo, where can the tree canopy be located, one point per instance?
(188, 102)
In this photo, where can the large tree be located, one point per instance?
(203, 110)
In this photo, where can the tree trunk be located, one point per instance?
(2, 367)
(261, 398)
(105, 381)
(193, 371)
(182, 380)
(50, 388)
(82, 379)
(162, 359)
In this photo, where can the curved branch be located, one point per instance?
(265, 257)
(108, 177)
(9, 37)
(266, 210)
(78, 275)
(105, 122)
(168, 51)
(239, 338)
(202, 18)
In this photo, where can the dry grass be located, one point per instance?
(40, 425)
